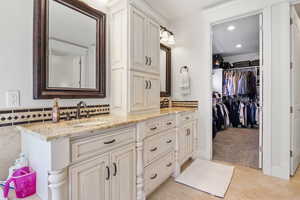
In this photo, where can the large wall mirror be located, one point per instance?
(165, 71)
(69, 50)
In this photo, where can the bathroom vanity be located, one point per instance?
(109, 157)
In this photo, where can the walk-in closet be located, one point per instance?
(236, 92)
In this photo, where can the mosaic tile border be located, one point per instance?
(34, 115)
(189, 104)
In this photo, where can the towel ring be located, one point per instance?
(184, 67)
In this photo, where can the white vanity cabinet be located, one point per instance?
(106, 177)
(185, 142)
(166, 144)
(126, 160)
(89, 179)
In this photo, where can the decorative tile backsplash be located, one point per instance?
(191, 104)
(24, 116)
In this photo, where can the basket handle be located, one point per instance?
(6, 187)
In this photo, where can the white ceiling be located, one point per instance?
(173, 9)
(246, 34)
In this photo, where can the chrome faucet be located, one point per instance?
(81, 103)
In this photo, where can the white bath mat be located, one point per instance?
(207, 176)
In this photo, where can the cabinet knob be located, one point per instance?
(169, 123)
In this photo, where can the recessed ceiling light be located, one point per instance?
(238, 46)
(230, 28)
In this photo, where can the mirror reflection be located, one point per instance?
(72, 48)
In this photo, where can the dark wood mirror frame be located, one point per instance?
(40, 53)
(168, 51)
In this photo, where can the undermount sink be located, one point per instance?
(92, 123)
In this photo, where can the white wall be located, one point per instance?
(241, 57)
(16, 21)
(193, 48)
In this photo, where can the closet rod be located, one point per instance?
(240, 68)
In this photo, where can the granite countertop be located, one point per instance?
(49, 131)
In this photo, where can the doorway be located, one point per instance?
(237, 91)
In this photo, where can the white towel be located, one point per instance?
(185, 82)
(185, 79)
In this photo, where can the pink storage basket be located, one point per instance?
(24, 180)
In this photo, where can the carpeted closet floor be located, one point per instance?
(237, 146)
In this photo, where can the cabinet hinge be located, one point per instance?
(291, 109)
(291, 154)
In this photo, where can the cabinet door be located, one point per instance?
(138, 40)
(123, 163)
(153, 46)
(185, 142)
(90, 179)
(138, 89)
(153, 93)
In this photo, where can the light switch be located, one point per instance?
(12, 99)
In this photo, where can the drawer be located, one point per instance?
(85, 148)
(159, 172)
(155, 126)
(168, 122)
(152, 127)
(186, 117)
(158, 145)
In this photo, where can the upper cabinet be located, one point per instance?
(139, 58)
(135, 59)
(145, 41)
(153, 46)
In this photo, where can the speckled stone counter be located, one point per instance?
(49, 131)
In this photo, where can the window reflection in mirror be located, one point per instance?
(72, 48)
(163, 70)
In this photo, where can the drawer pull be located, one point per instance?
(187, 118)
(153, 177)
(153, 129)
(116, 170)
(188, 132)
(110, 142)
(169, 165)
(169, 123)
(154, 149)
(169, 141)
(108, 173)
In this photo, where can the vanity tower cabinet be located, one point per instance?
(135, 59)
